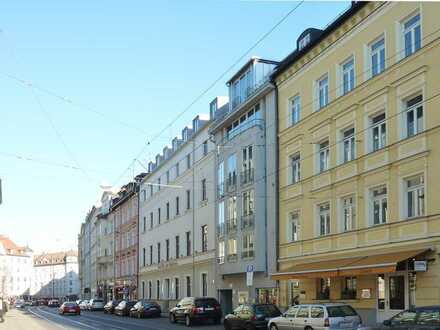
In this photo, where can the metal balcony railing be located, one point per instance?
(248, 221)
(247, 254)
(231, 226)
(231, 183)
(232, 257)
(247, 176)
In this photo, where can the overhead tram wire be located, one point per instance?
(210, 86)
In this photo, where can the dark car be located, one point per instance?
(255, 316)
(145, 308)
(123, 308)
(69, 307)
(53, 303)
(419, 318)
(193, 309)
(110, 306)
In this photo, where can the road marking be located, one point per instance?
(45, 318)
(59, 316)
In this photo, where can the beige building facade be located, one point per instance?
(359, 155)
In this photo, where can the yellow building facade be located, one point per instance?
(359, 161)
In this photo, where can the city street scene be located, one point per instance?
(236, 164)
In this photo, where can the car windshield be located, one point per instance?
(208, 302)
(267, 310)
(341, 311)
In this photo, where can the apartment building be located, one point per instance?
(124, 214)
(358, 133)
(15, 268)
(55, 275)
(176, 214)
(245, 136)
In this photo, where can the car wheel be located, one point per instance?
(308, 328)
(227, 325)
(273, 326)
(172, 318)
(188, 321)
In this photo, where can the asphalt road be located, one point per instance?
(44, 318)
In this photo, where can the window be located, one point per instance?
(143, 290)
(377, 51)
(295, 164)
(232, 247)
(248, 202)
(151, 220)
(412, 35)
(167, 249)
(188, 286)
(204, 238)
(144, 256)
(188, 199)
(378, 132)
(324, 155)
(144, 224)
(151, 190)
(414, 115)
(303, 312)
(188, 161)
(177, 206)
(323, 92)
(176, 288)
(232, 170)
(221, 252)
(168, 177)
(232, 210)
(247, 165)
(248, 246)
(379, 205)
(151, 254)
(167, 288)
(177, 170)
(349, 288)
(205, 148)
(177, 247)
(204, 196)
(292, 232)
(221, 218)
(204, 284)
(168, 210)
(158, 253)
(295, 109)
(347, 69)
(188, 243)
(158, 289)
(221, 179)
(415, 196)
(158, 184)
(324, 219)
(150, 289)
(144, 195)
(348, 213)
(349, 145)
(316, 312)
(323, 289)
(158, 216)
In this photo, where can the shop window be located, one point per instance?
(381, 292)
(349, 288)
(323, 292)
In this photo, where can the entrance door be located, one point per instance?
(392, 294)
(226, 301)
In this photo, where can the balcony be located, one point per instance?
(231, 226)
(221, 260)
(247, 221)
(247, 176)
(231, 183)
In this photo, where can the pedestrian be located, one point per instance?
(295, 300)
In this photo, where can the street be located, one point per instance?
(44, 318)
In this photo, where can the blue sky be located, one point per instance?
(134, 62)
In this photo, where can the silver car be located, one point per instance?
(317, 317)
(96, 305)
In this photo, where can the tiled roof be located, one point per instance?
(54, 258)
(10, 247)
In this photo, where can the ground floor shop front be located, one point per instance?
(377, 283)
(125, 288)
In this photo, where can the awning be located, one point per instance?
(361, 265)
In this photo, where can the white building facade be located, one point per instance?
(177, 219)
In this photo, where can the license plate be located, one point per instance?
(345, 324)
(209, 309)
(72, 310)
(153, 308)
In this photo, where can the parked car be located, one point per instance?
(95, 305)
(192, 309)
(145, 308)
(53, 303)
(78, 301)
(19, 303)
(84, 305)
(419, 318)
(110, 306)
(123, 308)
(318, 317)
(251, 316)
(28, 303)
(69, 307)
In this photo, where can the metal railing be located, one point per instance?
(231, 226)
(231, 183)
(248, 254)
(248, 221)
(247, 176)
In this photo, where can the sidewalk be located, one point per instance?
(23, 320)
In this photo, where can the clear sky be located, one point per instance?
(129, 67)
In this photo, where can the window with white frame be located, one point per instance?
(349, 150)
(248, 246)
(414, 115)
(378, 131)
(377, 53)
(322, 92)
(295, 165)
(415, 196)
(221, 252)
(379, 205)
(324, 155)
(412, 36)
(347, 69)
(295, 109)
(292, 232)
(248, 202)
(348, 213)
(232, 247)
(324, 219)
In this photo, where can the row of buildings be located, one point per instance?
(313, 180)
(47, 275)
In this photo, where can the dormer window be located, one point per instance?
(304, 41)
